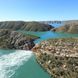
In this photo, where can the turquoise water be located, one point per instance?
(20, 64)
(31, 69)
(49, 34)
(32, 33)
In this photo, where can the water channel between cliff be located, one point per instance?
(23, 64)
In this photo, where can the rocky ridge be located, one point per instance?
(68, 27)
(26, 26)
(59, 57)
(14, 40)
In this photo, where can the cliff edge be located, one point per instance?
(14, 40)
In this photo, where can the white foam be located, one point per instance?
(11, 62)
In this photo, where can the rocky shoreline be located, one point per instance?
(59, 57)
(10, 39)
(70, 27)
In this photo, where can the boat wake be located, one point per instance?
(9, 63)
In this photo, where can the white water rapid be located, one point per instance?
(9, 63)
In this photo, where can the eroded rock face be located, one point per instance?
(24, 43)
(13, 40)
(59, 57)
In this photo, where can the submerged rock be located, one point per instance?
(59, 57)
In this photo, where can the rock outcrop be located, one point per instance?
(68, 27)
(27, 26)
(59, 57)
(14, 40)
